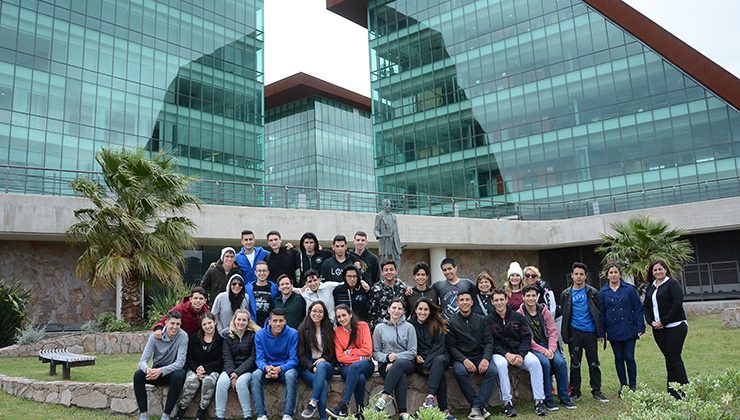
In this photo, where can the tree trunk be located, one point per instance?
(131, 300)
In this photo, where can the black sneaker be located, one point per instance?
(551, 406)
(598, 396)
(309, 412)
(568, 404)
(509, 410)
(575, 396)
(540, 409)
(338, 411)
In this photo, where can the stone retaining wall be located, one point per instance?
(120, 399)
(101, 343)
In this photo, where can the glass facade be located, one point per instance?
(172, 75)
(321, 143)
(538, 101)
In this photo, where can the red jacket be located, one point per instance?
(189, 317)
(362, 349)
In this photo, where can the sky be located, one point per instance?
(302, 36)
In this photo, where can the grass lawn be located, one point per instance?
(708, 349)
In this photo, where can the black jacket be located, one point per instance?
(428, 346)
(215, 279)
(239, 354)
(468, 336)
(281, 263)
(510, 335)
(670, 303)
(370, 269)
(304, 353)
(566, 301)
(356, 298)
(331, 269)
(304, 262)
(211, 358)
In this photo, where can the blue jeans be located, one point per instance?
(490, 378)
(319, 382)
(355, 376)
(289, 378)
(624, 354)
(242, 391)
(560, 366)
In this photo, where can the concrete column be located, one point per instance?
(436, 255)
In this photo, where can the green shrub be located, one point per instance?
(430, 414)
(31, 335)
(163, 302)
(107, 322)
(706, 397)
(13, 301)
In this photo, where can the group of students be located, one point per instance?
(342, 322)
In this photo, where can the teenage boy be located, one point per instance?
(280, 260)
(215, 279)
(383, 292)
(168, 355)
(293, 304)
(369, 265)
(310, 256)
(316, 290)
(277, 360)
(261, 294)
(331, 269)
(190, 309)
(449, 289)
(581, 331)
(470, 345)
(545, 347)
(354, 293)
(248, 256)
(511, 345)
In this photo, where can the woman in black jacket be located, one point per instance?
(316, 357)
(239, 363)
(431, 354)
(203, 365)
(663, 307)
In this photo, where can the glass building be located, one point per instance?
(180, 76)
(318, 135)
(549, 101)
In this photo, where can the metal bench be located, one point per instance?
(64, 358)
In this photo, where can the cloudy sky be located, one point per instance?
(300, 35)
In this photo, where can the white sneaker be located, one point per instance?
(287, 417)
(262, 418)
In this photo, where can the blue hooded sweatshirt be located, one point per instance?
(248, 269)
(277, 351)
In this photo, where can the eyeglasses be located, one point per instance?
(531, 276)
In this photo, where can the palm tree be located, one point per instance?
(640, 241)
(126, 234)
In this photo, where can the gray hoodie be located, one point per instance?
(222, 311)
(399, 339)
(167, 353)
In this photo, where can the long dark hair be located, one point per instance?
(435, 323)
(307, 331)
(201, 334)
(352, 323)
(650, 276)
(236, 299)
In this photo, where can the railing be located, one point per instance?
(46, 181)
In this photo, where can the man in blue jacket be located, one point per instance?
(277, 360)
(249, 256)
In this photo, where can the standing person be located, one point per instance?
(316, 356)
(450, 288)
(277, 360)
(421, 288)
(622, 321)
(315, 291)
(168, 354)
(386, 232)
(215, 279)
(227, 303)
(369, 265)
(190, 309)
(331, 269)
(310, 257)
(280, 260)
(249, 256)
(239, 363)
(546, 296)
(261, 294)
(663, 307)
(353, 347)
(354, 293)
(513, 285)
(546, 347)
(470, 346)
(431, 354)
(204, 363)
(484, 286)
(581, 330)
(394, 348)
(511, 347)
(383, 292)
(293, 304)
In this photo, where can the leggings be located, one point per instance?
(670, 342)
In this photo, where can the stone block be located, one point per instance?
(123, 405)
(91, 399)
(731, 317)
(66, 397)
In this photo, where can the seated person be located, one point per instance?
(316, 291)
(190, 308)
(226, 303)
(239, 362)
(168, 355)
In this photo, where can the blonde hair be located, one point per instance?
(533, 269)
(251, 325)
